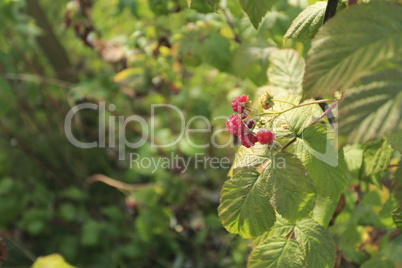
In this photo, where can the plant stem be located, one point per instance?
(324, 114)
(291, 234)
(288, 102)
(298, 106)
(116, 184)
(288, 144)
(236, 37)
(330, 11)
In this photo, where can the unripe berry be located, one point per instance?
(266, 101)
(248, 140)
(235, 125)
(265, 136)
(239, 103)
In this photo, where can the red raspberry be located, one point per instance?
(248, 140)
(235, 125)
(239, 103)
(265, 136)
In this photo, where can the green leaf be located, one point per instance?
(251, 157)
(316, 243)
(308, 22)
(395, 139)
(326, 166)
(256, 9)
(203, 6)
(286, 69)
(376, 158)
(244, 206)
(398, 185)
(324, 210)
(216, 51)
(214, 4)
(353, 159)
(252, 62)
(159, 7)
(392, 250)
(373, 108)
(277, 252)
(351, 44)
(293, 122)
(281, 227)
(291, 189)
(397, 217)
(92, 232)
(378, 262)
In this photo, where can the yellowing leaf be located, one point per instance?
(227, 33)
(125, 75)
(51, 261)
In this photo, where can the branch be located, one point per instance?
(231, 26)
(324, 114)
(330, 11)
(288, 144)
(114, 183)
(299, 105)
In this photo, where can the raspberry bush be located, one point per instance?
(325, 138)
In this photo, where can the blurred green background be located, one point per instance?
(130, 53)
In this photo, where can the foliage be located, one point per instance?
(321, 195)
(325, 194)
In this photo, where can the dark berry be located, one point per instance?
(249, 122)
(265, 136)
(239, 103)
(248, 140)
(235, 125)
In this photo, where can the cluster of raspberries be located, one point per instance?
(238, 124)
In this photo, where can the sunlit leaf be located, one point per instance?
(326, 166)
(316, 243)
(51, 261)
(351, 44)
(278, 252)
(373, 108)
(256, 9)
(308, 22)
(250, 157)
(281, 227)
(291, 189)
(286, 69)
(397, 217)
(244, 207)
(291, 123)
(376, 158)
(395, 139)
